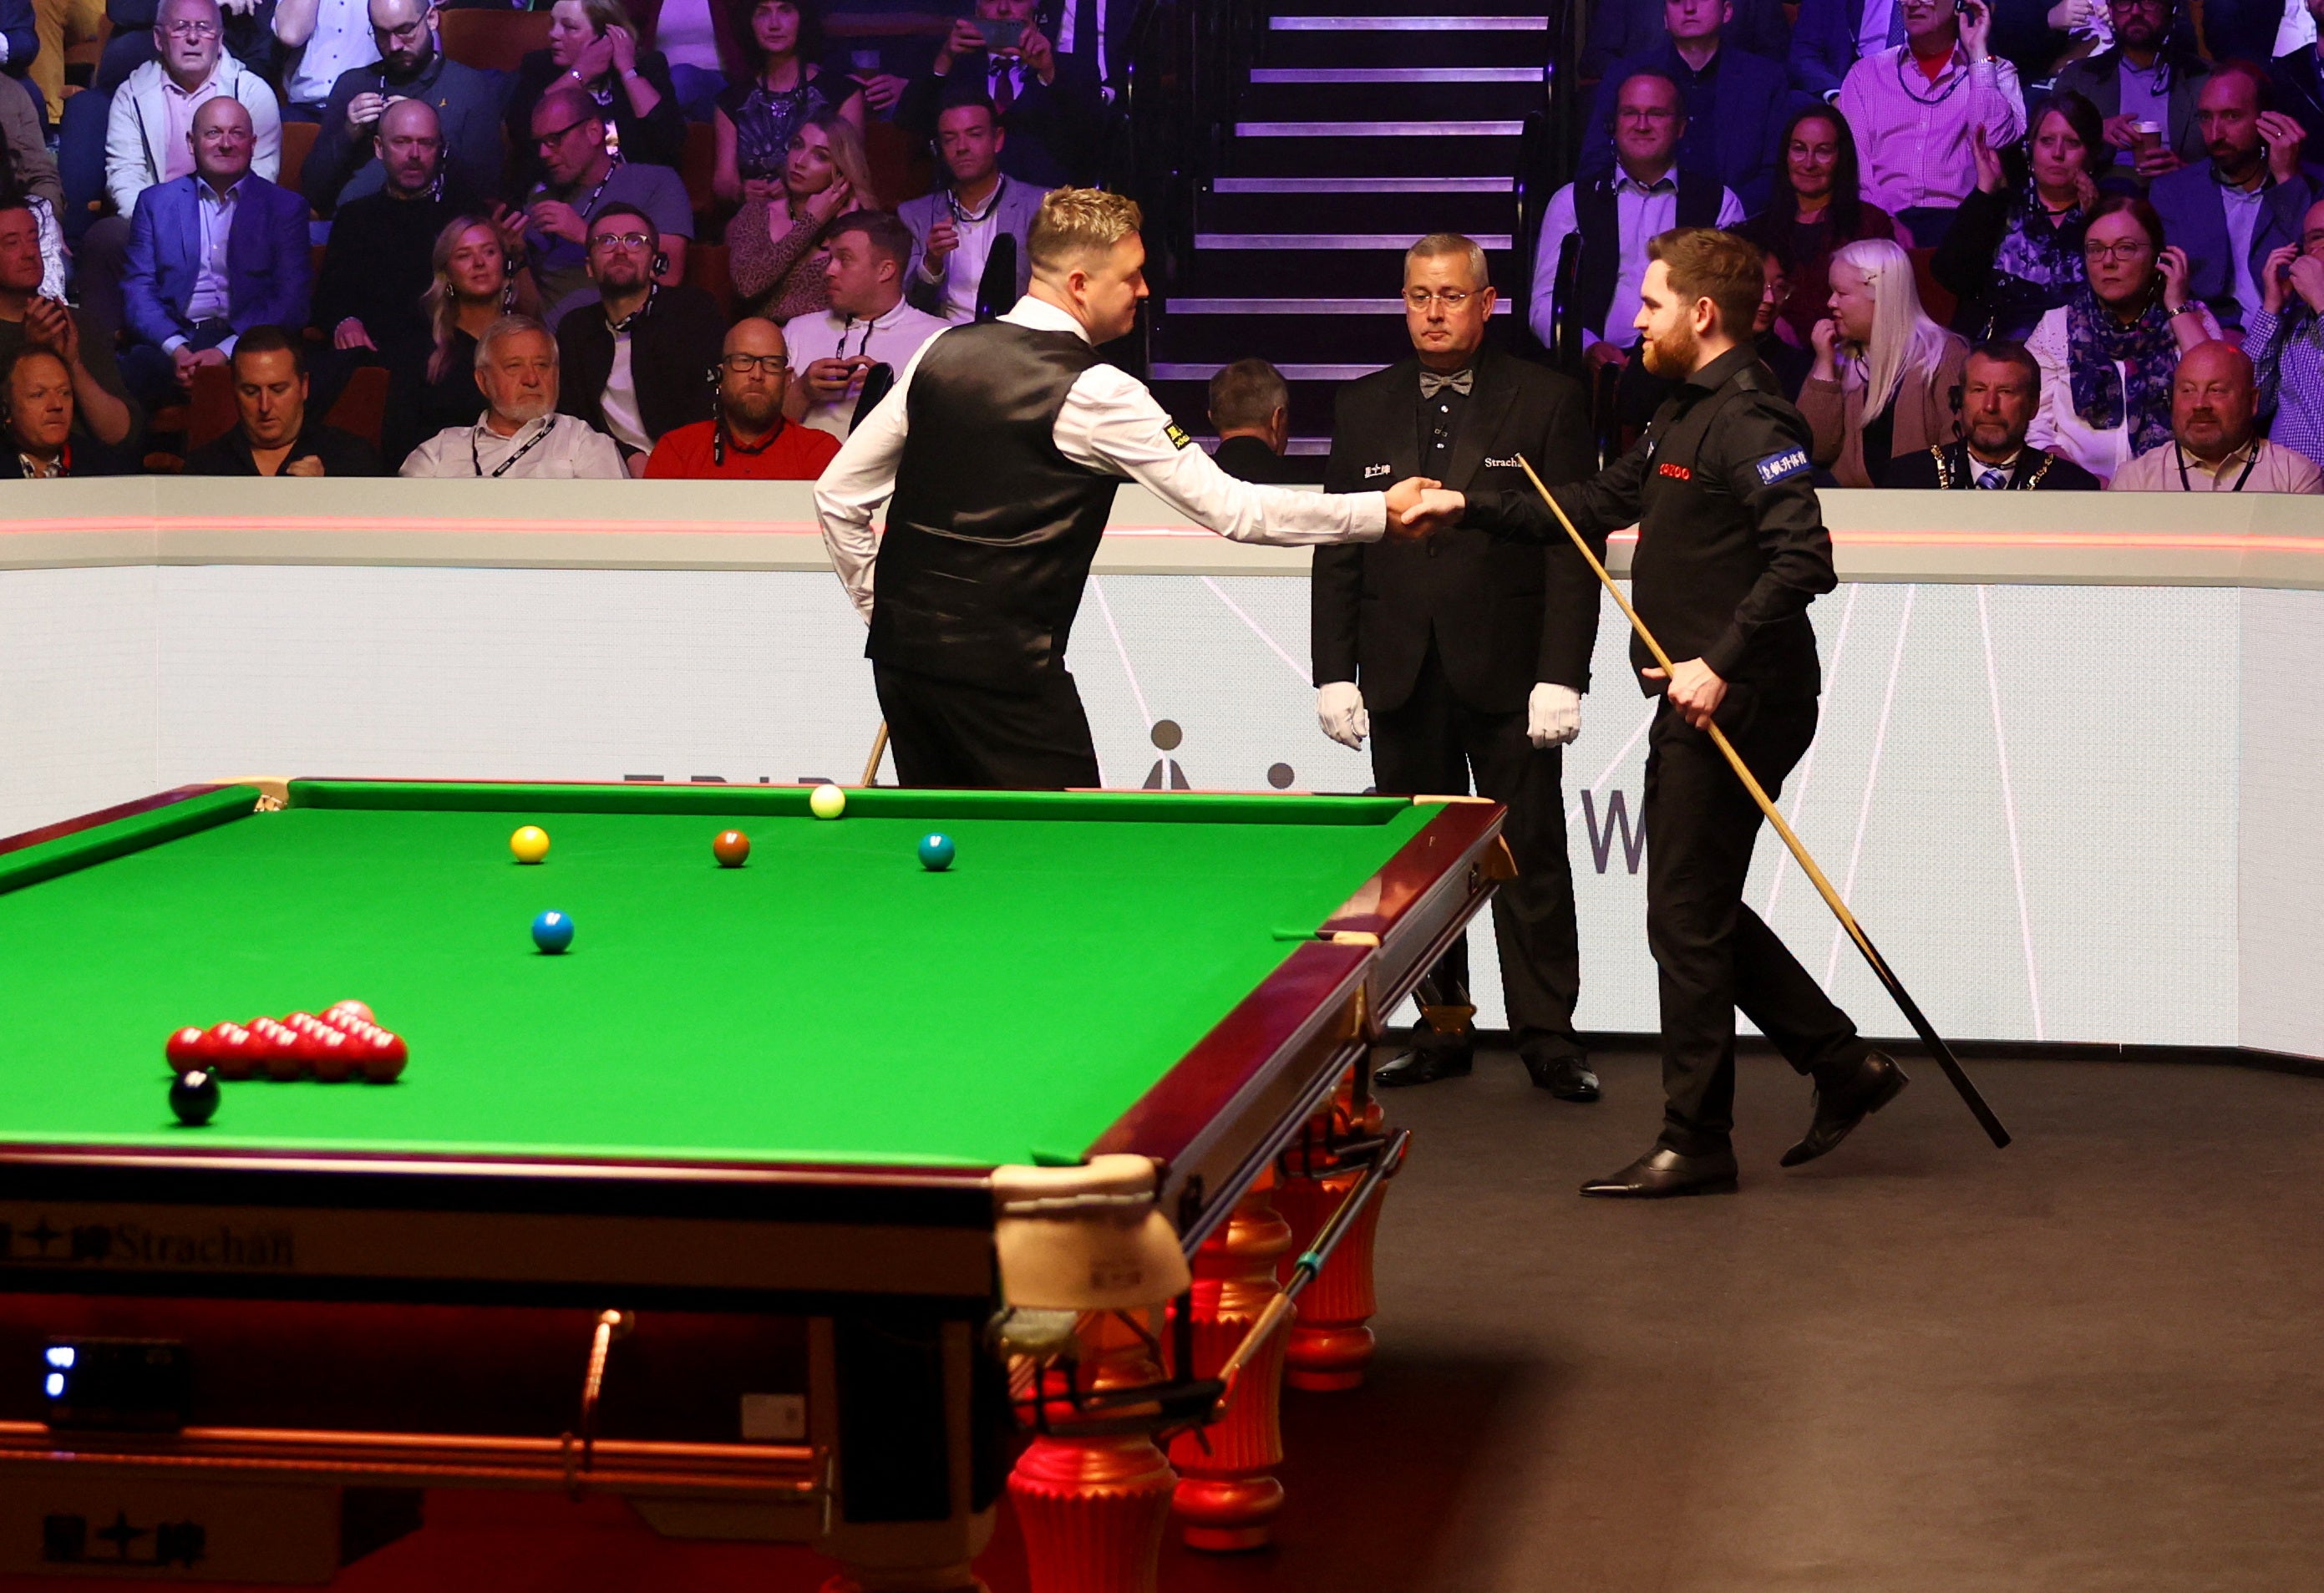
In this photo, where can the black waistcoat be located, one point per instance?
(992, 529)
(1597, 217)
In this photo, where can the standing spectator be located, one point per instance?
(343, 165)
(210, 257)
(2298, 76)
(2286, 339)
(2107, 353)
(2001, 390)
(520, 436)
(31, 318)
(376, 267)
(44, 440)
(953, 229)
(777, 247)
(1817, 207)
(593, 51)
(1886, 376)
(579, 178)
(2215, 443)
(1736, 104)
(754, 119)
(1621, 30)
(2229, 214)
(473, 285)
(867, 325)
(2145, 80)
(2015, 253)
(274, 433)
(634, 363)
(748, 440)
(322, 39)
(1250, 410)
(1050, 104)
(1913, 107)
(1788, 361)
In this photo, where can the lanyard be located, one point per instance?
(476, 462)
(1942, 95)
(2250, 465)
(961, 216)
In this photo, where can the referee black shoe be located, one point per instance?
(1569, 1078)
(1876, 1082)
(1663, 1173)
(1425, 1055)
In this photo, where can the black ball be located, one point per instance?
(195, 1096)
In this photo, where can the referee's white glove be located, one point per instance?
(1340, 710)
(1553, 714)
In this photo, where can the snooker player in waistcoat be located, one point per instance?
(998, 453)
(1731, 551)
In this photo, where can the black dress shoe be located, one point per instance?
(1425, 1056)
(1877, 1082)
(1568, 1078)
(1663, 1172)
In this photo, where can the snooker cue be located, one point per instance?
(1878, 965)
(872, 764)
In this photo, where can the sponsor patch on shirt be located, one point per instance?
(1178, 436)
(1676, 472)
(1783, 466)
(1377, 470)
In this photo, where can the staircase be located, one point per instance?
(1364, 125)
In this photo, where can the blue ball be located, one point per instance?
(936, 853)
(552, 932)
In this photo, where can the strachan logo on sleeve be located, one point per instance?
(1783, 466)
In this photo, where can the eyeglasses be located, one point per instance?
(742, 364)
(409, 34)
(634, 241)
(1450, 298)
(550, 140)
(2128, 249)
(1644, 113)
(191, 30)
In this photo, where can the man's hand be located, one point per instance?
(510, 224)
(944, 237)
(350, 333)
(2274, 278)
(2158, 161)
(186, 359)
(1040, 57)
(2284, 136)
(1340, 710)
(305, 464)
(1553, 714)
(881, 90)
(1599, 356)
(1420, 507)
(828, 380)
(2307, 280)
(362, 110)
(50, 325)
(2175, 272)
(965, 39)
(2122, 131)
(559, 220)
(1975, 31)
(1695, 690)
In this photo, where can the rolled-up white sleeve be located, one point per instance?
(1110, 422)
(860, 478)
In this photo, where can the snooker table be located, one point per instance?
(728, 1209)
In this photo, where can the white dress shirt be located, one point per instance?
(1640, 211)
(961, 271)
(892, 339)
(1913, 135)
(1109, 423)
(554, 447)
(341, 41)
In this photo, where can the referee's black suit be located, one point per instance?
(1447, 637)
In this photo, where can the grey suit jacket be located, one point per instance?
(1018, 203)
(2098, 79)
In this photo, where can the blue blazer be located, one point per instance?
(268, 278)
(2195, 219)
(1737, 136)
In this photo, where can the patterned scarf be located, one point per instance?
(2035, 249)
(2148, 354)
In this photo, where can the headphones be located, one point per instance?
(660, 265)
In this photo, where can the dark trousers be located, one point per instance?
(944, 733)
(1714, 953)
(1429, 745)
(152, 373)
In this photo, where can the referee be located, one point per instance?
(1731, 550)
(998, 453)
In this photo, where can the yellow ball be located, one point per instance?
(530, 843)
(828, 802)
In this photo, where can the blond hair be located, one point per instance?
(1076, 222)
(1904, 338)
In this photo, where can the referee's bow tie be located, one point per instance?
(1459, 382)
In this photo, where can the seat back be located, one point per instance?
(493, 40)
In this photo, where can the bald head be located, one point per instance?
(568, 131)
(2213, 400)
(222, 141)
(409, 143)
(751, 397)
(405, 33)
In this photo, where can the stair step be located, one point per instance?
(1408, 23)
(1417, 129)
(1399, 75)
(1351, 156)
(1319, 274)
(1397, 242)
(1359, 212)
(1394, 103)
(1365, 185)
(1294, 307)
(1287, 340)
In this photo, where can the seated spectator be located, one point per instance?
(706, 45)
(1736, 104)
(953, 228)
(1788, 361)
(1050, 103)
(1883, 381)
(2145, 80)
(2297, 78)
(44, 440)
(39, 71)
(1622, 29)
(1816, 206)
(247, 35)
(2214, 443)
(777, 247)
(868, 324)
(633, 362)
(210, 257)
(1250, 410)
(748, 440)
(755, 118)
(321, 39)
(2230, 213)
(520, 436)
(593, 51)
(2106, 355)
(2001, 390)
(1913, 107)
(2015, 253)
(2285, 340)
(376, 267)
(52, 239)
(31, 318)
(28, 165)
(274, 433)
(472, 288)
(346, 162)
(578, 179)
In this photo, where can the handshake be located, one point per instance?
(1418, 507)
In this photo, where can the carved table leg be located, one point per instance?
(1228, 1496)
(1092, 1508)
(1331, 1343)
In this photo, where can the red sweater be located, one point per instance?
(794, 452)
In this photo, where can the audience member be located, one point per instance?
(321, 39)
(705, 44)
(593, 51)
(953, 229)
(2214, 443)
(44, 439)
(473, 285)
(580, 177)
(376, 267)
(2229, 214)
(2001, 389)
(1736, 104)
(1250, 410)
(344, 163)
(755, 120)
(145, 138)
(2107, 353)
(1913, 107)
(778, 246)
(56, 24)
(2241, 29)
(748, 440)
(28, 165)
(2298, 76)
(1885, 375)
(1789, 363)
(1051, 103)
(1816, 206)
(30, 317)
(868, 324)
(521, 435)
(634, 363)
(246, 33)
(273, 432)
(2143, 87)
(2015, 253)
(1621, 28)
(211, 255)
(2285, 340)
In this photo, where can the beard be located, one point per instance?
(1672, 355)
(526, 407)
